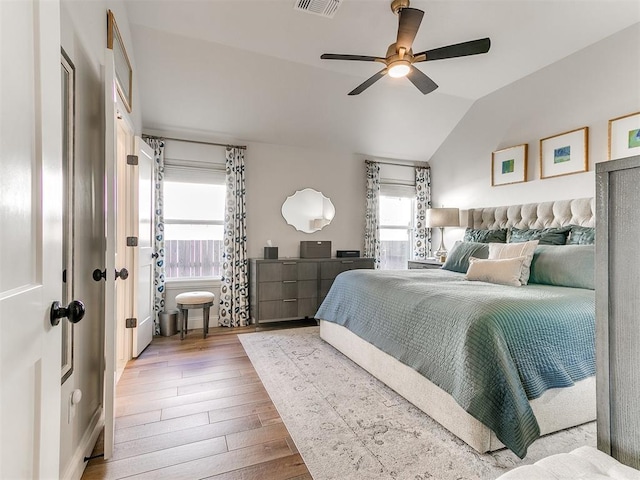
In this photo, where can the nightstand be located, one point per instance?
(427, 263)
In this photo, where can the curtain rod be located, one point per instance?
(242, 147)
(401, 164)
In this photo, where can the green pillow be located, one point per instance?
(485, 236)
(545, 236)
(581, 235)
(458, 259)
(564, 266)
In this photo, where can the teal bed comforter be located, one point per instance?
(491, 347)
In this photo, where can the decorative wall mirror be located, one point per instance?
(308, 210)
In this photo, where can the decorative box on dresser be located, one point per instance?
(294, 288)
(617, 307)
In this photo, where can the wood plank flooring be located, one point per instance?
(197, 409)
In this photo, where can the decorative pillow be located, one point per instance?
(546, 236)
(512, 250)
(458, 259)
(505, 271)
(564, 266)
(581, 235)
(485, 236)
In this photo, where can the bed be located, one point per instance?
(495, 365)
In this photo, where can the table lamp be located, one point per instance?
(442, 217)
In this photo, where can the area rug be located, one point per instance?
(349, 426)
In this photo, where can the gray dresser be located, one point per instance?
(618, 308)
(294, 288)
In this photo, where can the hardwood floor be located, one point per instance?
(197, 409)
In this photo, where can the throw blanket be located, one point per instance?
(491, 347)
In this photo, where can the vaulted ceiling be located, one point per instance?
(251, 70)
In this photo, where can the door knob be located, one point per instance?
(99, 275)
(102, 274)
(74, 312)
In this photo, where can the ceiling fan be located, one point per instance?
(400, 59)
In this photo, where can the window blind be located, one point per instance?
(397, 189)
(193, 172)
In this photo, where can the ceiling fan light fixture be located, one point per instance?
(399, 68)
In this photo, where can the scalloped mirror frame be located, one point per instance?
(308, 210)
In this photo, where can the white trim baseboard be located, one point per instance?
(75, 467)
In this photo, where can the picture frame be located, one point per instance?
(565, 154)
(624, 136)
(509, 165)
(124, 73)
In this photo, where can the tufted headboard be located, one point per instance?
(580, 211)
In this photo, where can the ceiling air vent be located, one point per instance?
(324, 8)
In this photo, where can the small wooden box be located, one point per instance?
(315, 249)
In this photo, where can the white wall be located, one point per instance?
(585, 89)
(84, 39)
(275, 172)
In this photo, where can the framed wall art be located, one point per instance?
(624, 136)
(509, 165)
(565, 153)
(124, 74)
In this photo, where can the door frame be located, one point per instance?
(114, 112)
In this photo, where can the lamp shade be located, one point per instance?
(443, 217)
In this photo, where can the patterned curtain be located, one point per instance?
(372, 214)
(234, 291)
(422, 234)
(158, 245)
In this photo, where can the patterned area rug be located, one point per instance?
(349, 426)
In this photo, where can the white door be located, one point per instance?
(110, 252)
(143, 261)
(30, 238)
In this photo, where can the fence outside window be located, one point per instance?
(193, 258)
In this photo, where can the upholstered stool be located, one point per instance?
(188, 300)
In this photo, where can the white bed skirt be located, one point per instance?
(555, 410)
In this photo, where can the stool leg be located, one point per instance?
(183, 326)
(205, 327)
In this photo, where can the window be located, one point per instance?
(397, 211)
(193, 221)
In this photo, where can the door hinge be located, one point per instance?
(131, 322)
(132, 159)
(132, 241)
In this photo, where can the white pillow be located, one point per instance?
(511, 250)
(505, 271)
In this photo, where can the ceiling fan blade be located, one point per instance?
(367, 83)
(420, 80)
(473, 47)
(338, 56)
(408, 25)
